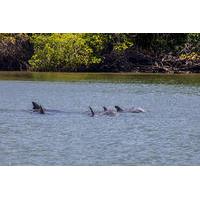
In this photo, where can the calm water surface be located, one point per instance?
(168, 133)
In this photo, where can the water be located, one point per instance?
(168, 133)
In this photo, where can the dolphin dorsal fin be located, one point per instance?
(118, 109)
(91, 111)
(104, 108)
(35, 105)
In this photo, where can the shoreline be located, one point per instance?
(99, 73)
(121, 77)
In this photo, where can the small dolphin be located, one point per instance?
(130, 110)
(101, 113)
(108, 112)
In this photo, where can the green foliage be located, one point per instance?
(91, 51)
(96, 41)
(161, 42)
(193, 40)
(70, 51)
(61, 52)
(122, 42)
(104, 43)
(121, 47)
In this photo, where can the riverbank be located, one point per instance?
(137, 53)
(138, 61)
(144, 78)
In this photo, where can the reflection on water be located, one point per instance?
(166, 134)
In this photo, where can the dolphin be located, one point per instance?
(130, 110)
(104, 112)
(108, 112)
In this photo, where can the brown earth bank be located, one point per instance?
(14, 56)
(135, 61)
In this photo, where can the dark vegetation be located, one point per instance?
(108, 52)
